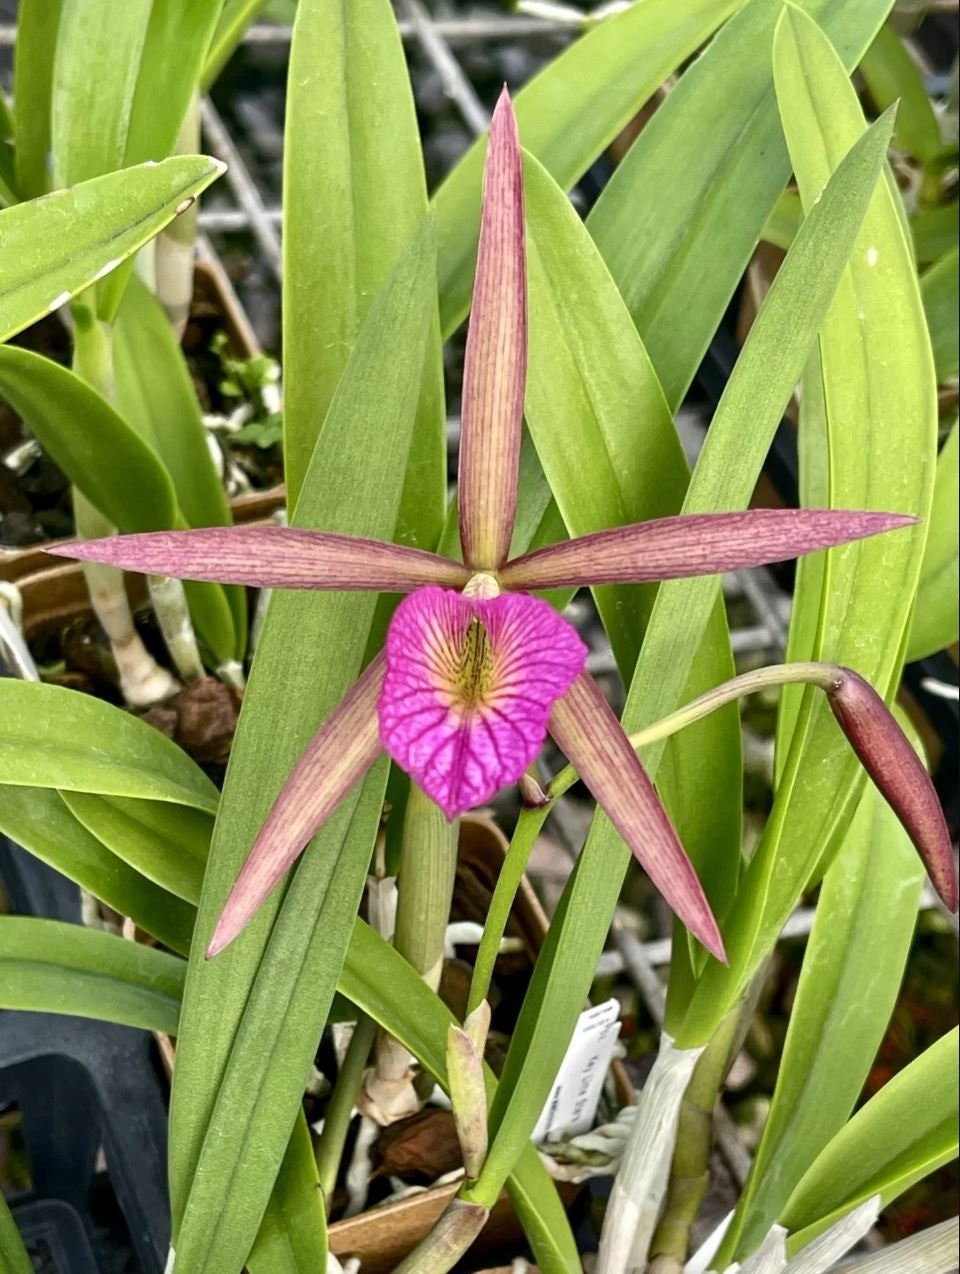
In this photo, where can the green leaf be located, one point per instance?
(381, 983)
(56, 246)
(293, 1236)
(354, 193)
(54, 737)
(38, 25)
(51, 967)
(892, 75)
(569, 113)
(935, 231)
(880, 401)
(904, 1132)
(849, 983)
(97, 62)
(115, 469)
(174, 52)
(41, 821)
(670, 665)
(155, 394)
(935, 624)
(941, 297)
(118, 472)
(252, 1016)
(678, 222)
(611, 455)
(13, 1254)
(167, 844)
(235, 17)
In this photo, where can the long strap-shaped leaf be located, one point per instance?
(54, 248)
(569, 113)
(905, 1131)
(880, 433)
(252, 1016)
(52, 967)
(851, 976)
(679, 220)
(46, 734)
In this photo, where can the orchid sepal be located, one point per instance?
(272, 557)
(335, 760)
(692, 544)
(587, 731)
(495, 369)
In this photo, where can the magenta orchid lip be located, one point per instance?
(476, 671)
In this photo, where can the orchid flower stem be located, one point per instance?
(814, 674)
(528, 828)
(341, 1106)
(531, 821)
(424, 893)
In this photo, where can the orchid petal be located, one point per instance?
(495, 370)
(889, 758)
(469, 687)
(272, 557)
(693, 544)
(337, 757)
(585, 728)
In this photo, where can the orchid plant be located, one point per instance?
(469, 660)
(476, 670)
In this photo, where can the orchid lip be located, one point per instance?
(469, 688)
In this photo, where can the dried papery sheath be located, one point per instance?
(932, 1251)
(640, 1185)
(468, 1099)
(447, 1241)
(702, 1259)
(469, 687)
(770, 1257)
(887, 756)
(823, 1252)
(495, 370)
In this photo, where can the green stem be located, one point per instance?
(428, 861)
(531, 821)
(342, 1102)
(690, 1168)
(508, 882)
(428, 865)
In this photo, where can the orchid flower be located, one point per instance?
(476, 671)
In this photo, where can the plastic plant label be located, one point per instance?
(572, 1104)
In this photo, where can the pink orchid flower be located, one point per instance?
(476, 671)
